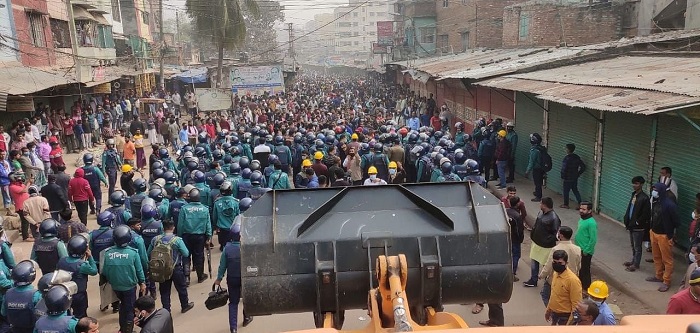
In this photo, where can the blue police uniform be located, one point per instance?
(151, 229)
(243, 187)
(174, 210)
(111, 162)
(225, 211)
(133, 204)
(100, 240)
(94, 176)
(180, 253)
(18, 307)
(80, 269)
(56, 324)
(121, 215)
(230, 265)
(257, 192)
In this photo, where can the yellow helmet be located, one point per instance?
(354, 136)
(127, 168)
(306, 163)
(318, 155)
(598, 289)
(372, 170)
(393, 165)
(502, 133)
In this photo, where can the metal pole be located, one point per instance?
(179, 40)
(74, 41)
(162, 43)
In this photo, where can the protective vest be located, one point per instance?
(110, 157)
(20, 307)
(232, 251)
(171, 191)
(150, 230)
(379, 162)
(427, 169)
(53, 324)
(100, 240)
(92, 177)
(461, 171)
(296, 155)
(175, 207)
(243, 188)
(118, 215)
(135, 203)
(283, 154)
(209, 176)
(46, 254)
(40, 310)
(449, 177)
(256, 193)
(74, 267)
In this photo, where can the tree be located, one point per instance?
(261, 34)
(223, 21)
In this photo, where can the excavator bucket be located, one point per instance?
(315, 250)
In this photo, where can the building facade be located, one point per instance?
(356, 28)
(8, 42)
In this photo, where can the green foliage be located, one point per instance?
(222, 21)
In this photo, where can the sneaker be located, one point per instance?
(516, 279)
(664, 288)
(653, 279)
(564, 206)
(536, 199)
(628, 263)
(247, 321)
(202, 278)
(189, 307)
(649, 260)
(529, 284)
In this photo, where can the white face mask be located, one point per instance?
(372, 177)
(392, 171)
(692, 214)
(654, 194)
(691, 257)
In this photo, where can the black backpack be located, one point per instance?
(545, 160)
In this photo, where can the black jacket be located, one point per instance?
(56, 196)
(517, 229)
(159, 321)
(640, 214)
(544, 233)
(572, 167)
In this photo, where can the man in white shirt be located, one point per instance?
(373, 179)
(177, 103)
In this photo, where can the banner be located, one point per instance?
(103, 88)
(379, 49)
(385, 33)
(20, 104)
(212, 99)
(256, 80)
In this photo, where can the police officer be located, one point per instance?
(278, 179)
(231, 262)
(219, 179)
(180, 253)
(162, 203)
(150, 229)
(225, 212)
(48, 249)
(204, 190)
(111, 163)
(234, 177)
(283, 153)
(168, 163)
(134, 201)
(195, 229)
(474, 174)
(257, 191)
(119, 212)
(81, 264)
(94, 176)
(19, 302)
(170, 184)
(101, 239)
(447, 174)
(58, 300)
(137, 242)
(43, 285)
(176, 205)
(6, 255)
(123, 269)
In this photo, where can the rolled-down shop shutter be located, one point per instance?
(677, 147)
(626, 144)
(529, 118)
(572, 125)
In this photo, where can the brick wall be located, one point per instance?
(31, 55)
(554, 25)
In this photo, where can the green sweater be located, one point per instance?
(122, 267)
(587, 235)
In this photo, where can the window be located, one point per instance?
(36, 29)
(354, 24)
(144, 17)
(87, 33)
(344, 24)
(105, 39)
(116, 13)
(354, 14)
(524, 28)
(371, 13)
(60, 33)
(443, 41)
(427, 35)
(445, 3)
(465, 40)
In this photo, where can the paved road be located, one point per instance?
(525, 307)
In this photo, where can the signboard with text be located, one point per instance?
(20, 104)
(256, 80)
(212, 99)
(385, 33)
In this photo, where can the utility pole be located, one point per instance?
(162, 44)
(74, 42)
(179, 40)
(291, 39)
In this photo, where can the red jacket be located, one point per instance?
(79, 188)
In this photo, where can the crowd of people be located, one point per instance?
(204, 171)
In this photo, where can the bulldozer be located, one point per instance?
(401, 252)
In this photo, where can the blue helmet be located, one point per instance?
(192, 165)
(158, 173)
(235, 169)
(140, 185)
(163, 153)
(170, 177)
(203, 137)
(235, 140)
(88, 159)
(236, 227)
(244, 204)
(279, 140)
(156, 194)
(256, 178)
(244, 162)
(44, 283)
(200, 152)
(272, 158)
(228, 159)
(48, 228)
(58, 299)
(254, 165)
(472, 167)
(122, 235)
(246, 173)
(198, 176)
(194, 195)
(446, 168)
(219, 179)
(298, 138)
(105, 219)
(226, 188)
(24, 273)
(157, 165)
(148, 212)
(77, 246)
(460, 157)
(117, 198)
(217, 154)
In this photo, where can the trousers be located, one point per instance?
(636, 239)
(126, 308)
(224, 237)
(79, 304)
(496, 314)
(111, 179)
(195, 243)
(571, 185)
(82, 208)
(178, 279)
(662, 251)
(234, 297)
(584, 274)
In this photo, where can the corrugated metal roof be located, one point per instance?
(19, 80)
(677, 75)
(595, 97)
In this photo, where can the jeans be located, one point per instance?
(546, 292)
(175, 145)
(538, 179)
(496, 314)
(501, 166)
(571, 185)
(584, 274)
(97, 192)
(82, 208)
(195, 243)
(6, 199)
(636, 238)
(178, 279)
(79, 304)
(517, 252)
(126, 308)
(534, 271)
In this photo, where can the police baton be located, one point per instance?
(208, 258)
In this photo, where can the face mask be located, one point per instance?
(558, 267)
(655, 194)
(692, 214)
(392, 171)
(372, 177)
(598, 303)
(691, 257)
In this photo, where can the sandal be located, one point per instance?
(477, 309)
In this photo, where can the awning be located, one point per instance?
(596, 97)
(196, 75)
(81, 14)
(100, 19)
(19, 80)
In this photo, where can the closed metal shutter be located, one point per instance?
(529, 118)
(626, 144)
(3, 101)
(571, 125)
(677, 147)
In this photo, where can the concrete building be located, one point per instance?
(8, 44)
(316, 47)
(34, 38)
(416, 28)
(356, 29)
(652, 16)
(557, 23)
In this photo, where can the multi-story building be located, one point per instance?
(356, 27)
(417, 22)
(8, 42)
(319, 40)
(33, 33)
(652, 16)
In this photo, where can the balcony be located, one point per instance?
(420, 8)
